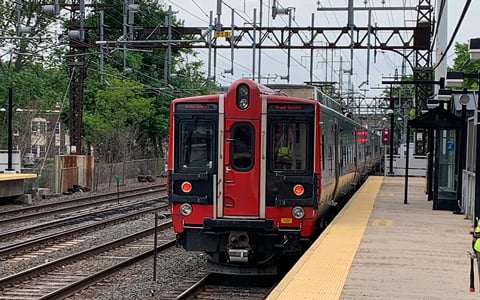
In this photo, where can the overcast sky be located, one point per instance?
(195, 13)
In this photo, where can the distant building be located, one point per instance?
(48, 136)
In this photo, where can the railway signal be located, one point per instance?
(385, 136)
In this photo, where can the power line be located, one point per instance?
(200, 8)
(188, 12)
(457, 27)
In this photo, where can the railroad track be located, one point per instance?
(217, 286)
(93, 215)
(23, 247)
(65, 276)
(15, 216)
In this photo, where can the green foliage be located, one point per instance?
(126, 111)
(461, 63)
(402, 96)
(118, 106)
(41, 45)
(34, 86)
(147, 69)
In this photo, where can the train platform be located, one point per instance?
(12, 185)
(380, 248)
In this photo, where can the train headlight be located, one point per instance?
(243, 94)
(186, 209)
(298, 190)
(186, 187)
(298, 212)
(243, 103)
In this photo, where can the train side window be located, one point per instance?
(241, 147)
(197, 144)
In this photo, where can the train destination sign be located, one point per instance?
(196, 107)
(290, 107)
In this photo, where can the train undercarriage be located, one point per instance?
(246, 250)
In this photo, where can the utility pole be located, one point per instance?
(10, 168)
(168, 56)
(76, 63)
(392, 126)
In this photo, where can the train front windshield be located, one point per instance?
(196, 144)
(289, 140)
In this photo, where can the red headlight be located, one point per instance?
(186, 187)
(298, 190)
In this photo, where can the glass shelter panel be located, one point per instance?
(447, 153)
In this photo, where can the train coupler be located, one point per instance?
(238, 255)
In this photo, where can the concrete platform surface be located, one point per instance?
(411, 251)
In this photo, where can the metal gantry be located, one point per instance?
(413, 43)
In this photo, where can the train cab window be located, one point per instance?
(197, 144)
(241, 146)
(289, 140)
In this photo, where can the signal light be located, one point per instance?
(362, 136)
(385, 136)
(186, 187)
(298, 190)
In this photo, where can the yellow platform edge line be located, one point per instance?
(5, 177)
(322, 271)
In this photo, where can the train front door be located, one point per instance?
(241, 169)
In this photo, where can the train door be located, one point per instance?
(241, 169)
(194, 149)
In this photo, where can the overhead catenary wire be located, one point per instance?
(457, 27)
(196, 2)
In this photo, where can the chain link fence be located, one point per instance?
(104, 174)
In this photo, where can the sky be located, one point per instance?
(195, 13)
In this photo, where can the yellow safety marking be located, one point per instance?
(381, 222)
(16, 176)
(286, 220)
(321, 272)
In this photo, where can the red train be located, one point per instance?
(253, 174)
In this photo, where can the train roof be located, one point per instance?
(307, 92)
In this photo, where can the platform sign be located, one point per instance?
(450, 146)
(16, 161)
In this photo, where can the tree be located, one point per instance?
(132, 107)
(112, 126)
(462, 63)
(35, 90)
(402, 96)
(147, 68)
(29, 63)
(40, 45)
